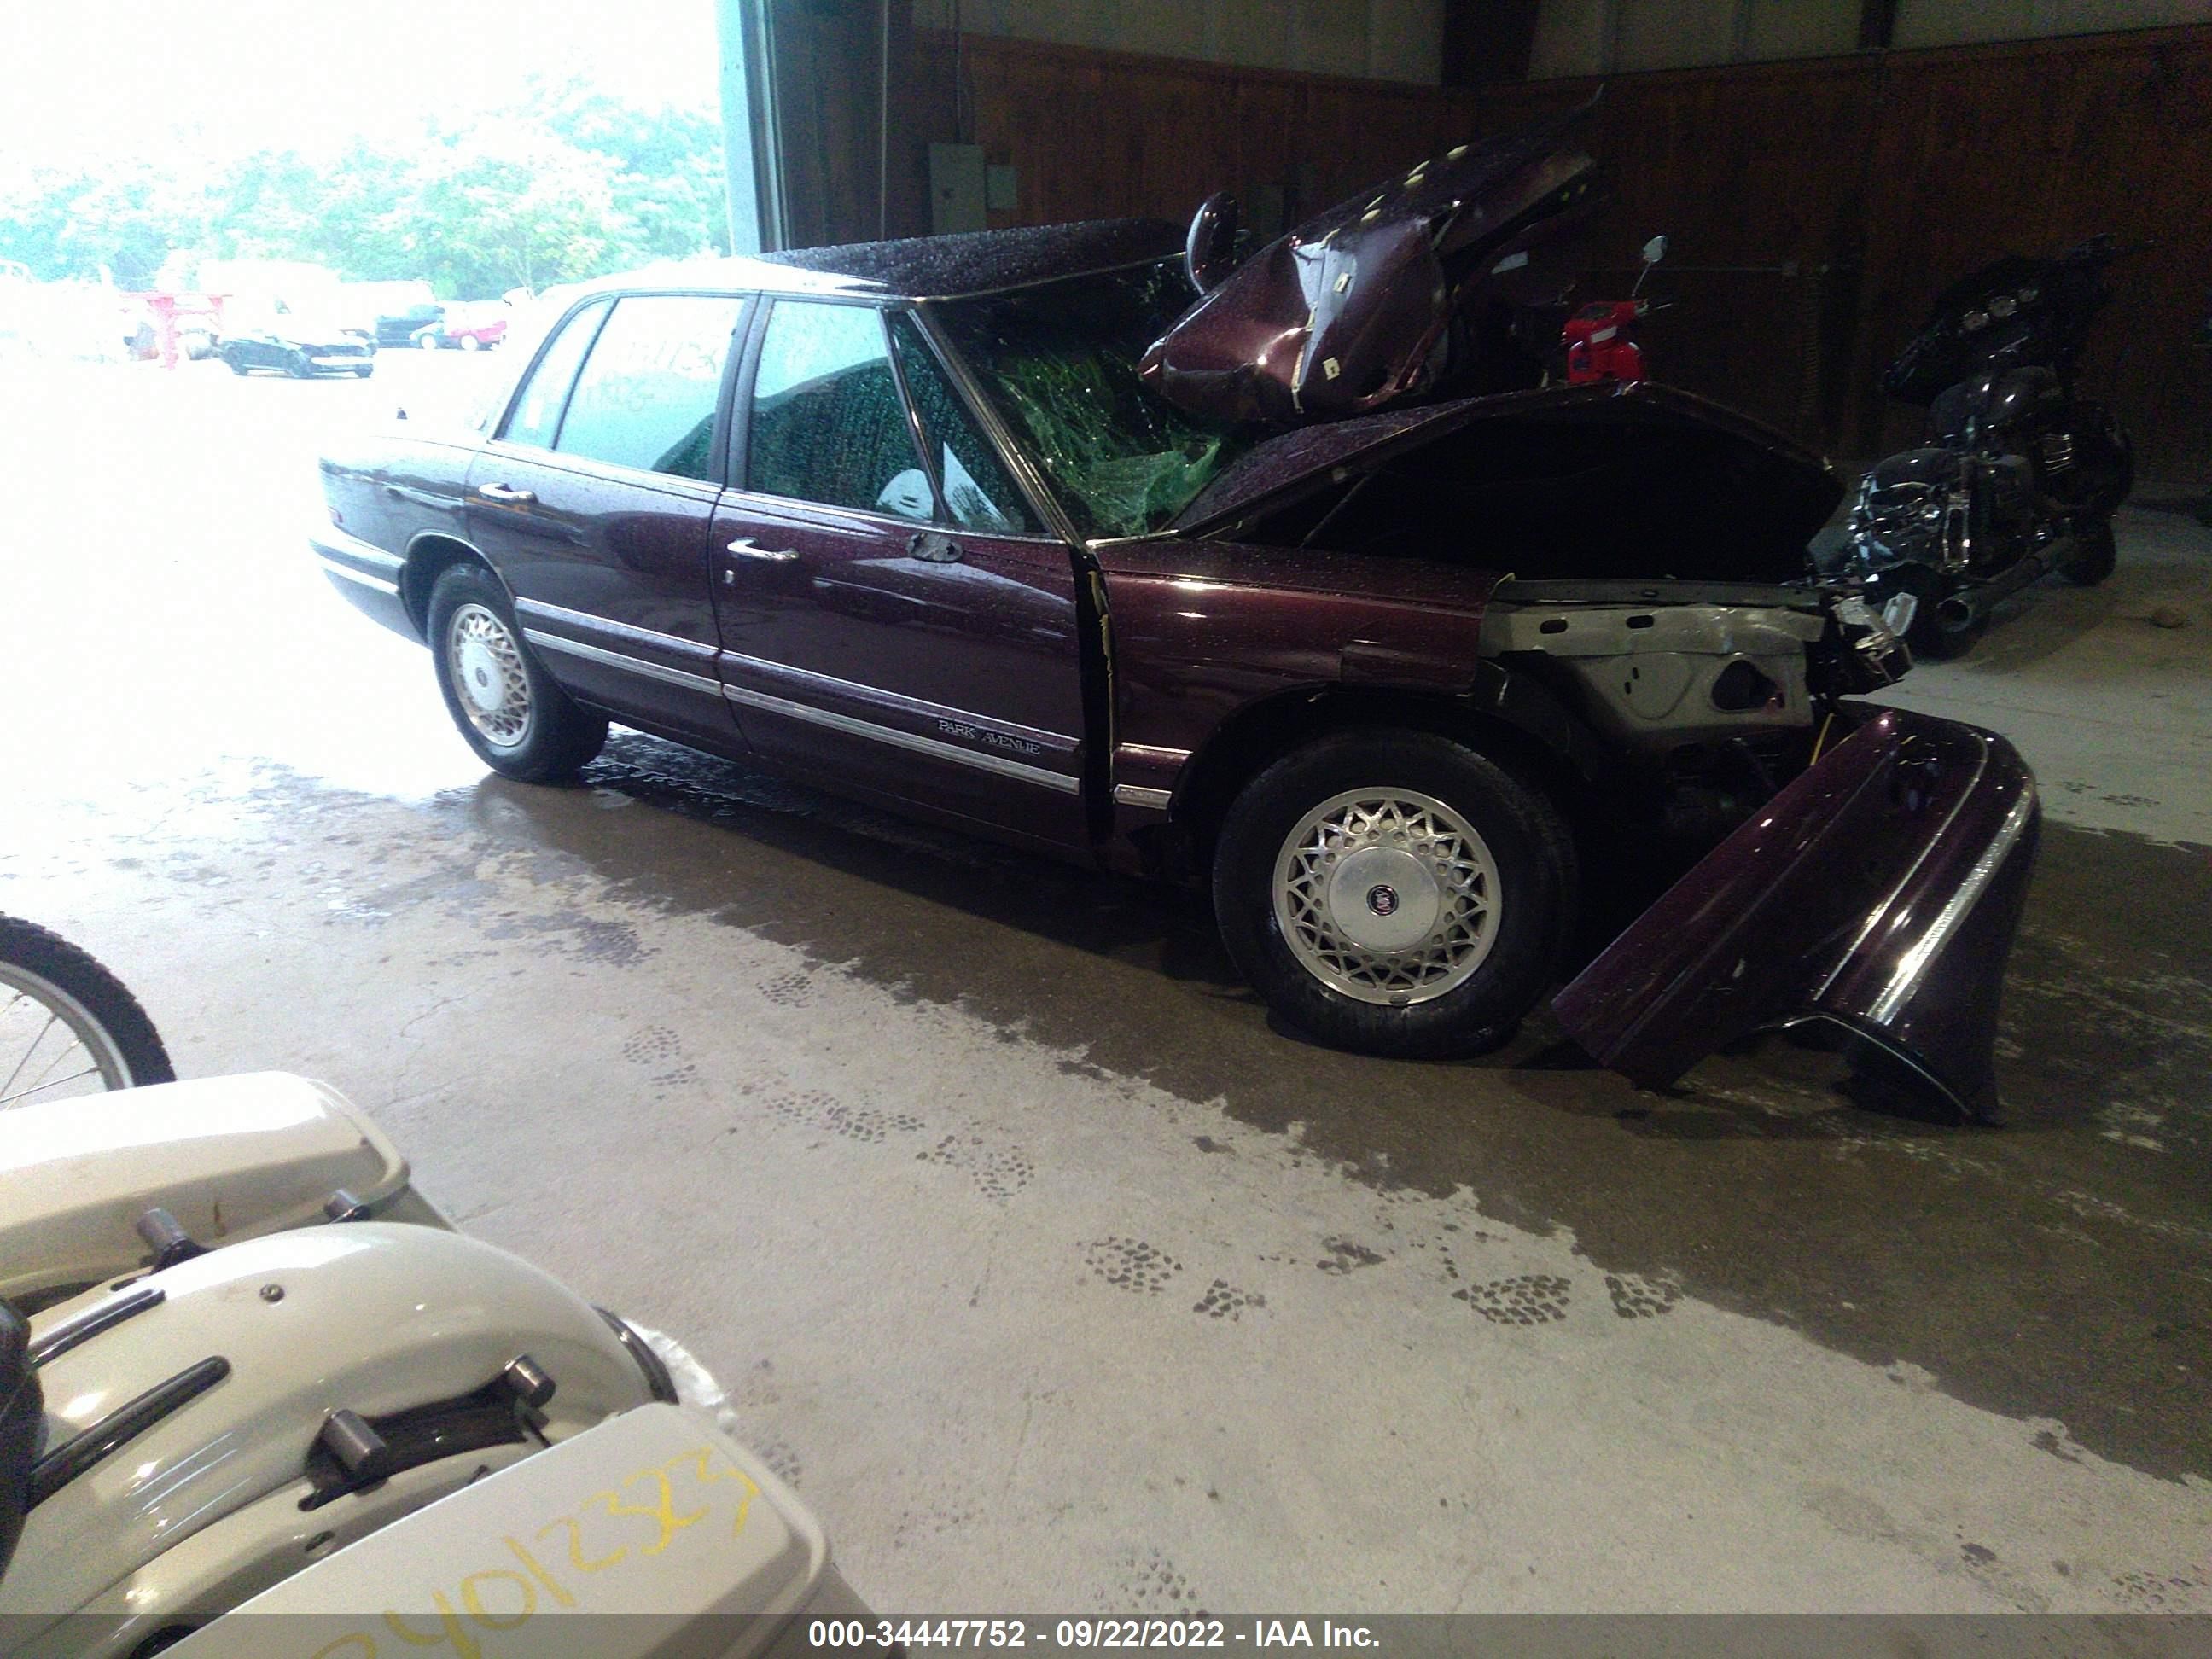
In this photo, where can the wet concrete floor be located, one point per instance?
(1053, 1270)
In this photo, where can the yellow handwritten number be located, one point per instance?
(662, 1511)
(576, 1545)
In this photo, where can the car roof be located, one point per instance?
(923, 267)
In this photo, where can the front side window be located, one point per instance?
(827, 423)
(646, 395)
(537, 414)
(978, 494)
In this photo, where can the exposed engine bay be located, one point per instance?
(1654, 676)
(1599, 482)
(1713, 692)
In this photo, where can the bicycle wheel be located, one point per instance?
(67, 1025)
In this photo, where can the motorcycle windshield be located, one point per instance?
(2015, 310)
(1877, 895)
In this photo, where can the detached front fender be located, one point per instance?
(1878, 894)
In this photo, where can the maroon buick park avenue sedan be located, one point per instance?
(1192, 567)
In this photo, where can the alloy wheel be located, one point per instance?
(1387, 896)
(485, 663)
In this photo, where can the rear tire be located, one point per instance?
(520, 723)
(2103, 475)
(1394, 892)
(2095, 555)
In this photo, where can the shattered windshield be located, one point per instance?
(1060, 360)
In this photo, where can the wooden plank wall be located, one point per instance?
(2112, 134)
(829, 102)
(1898, 172)
(1814, 207)
(1099, 134)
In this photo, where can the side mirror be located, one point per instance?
(1654, 250)
(1210, 251)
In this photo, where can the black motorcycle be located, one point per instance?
(2019, 475)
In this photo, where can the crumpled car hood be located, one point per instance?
(1355, 307)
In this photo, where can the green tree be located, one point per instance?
(669, 165)
(125, 223)
(509, 205)
(33, 219)
(572, 184)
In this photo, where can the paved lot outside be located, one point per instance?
(1051, 1272)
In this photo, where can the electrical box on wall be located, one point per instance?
(956, 188)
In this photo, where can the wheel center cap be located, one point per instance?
(481, 681)
(1384, 898)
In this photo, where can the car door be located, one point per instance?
(595, 500)
(876, 628)
(248, 343)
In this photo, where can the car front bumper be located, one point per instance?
(1876, 897)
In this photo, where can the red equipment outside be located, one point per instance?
(166, 308)
(1601, 343)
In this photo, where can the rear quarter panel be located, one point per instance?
(382, 493)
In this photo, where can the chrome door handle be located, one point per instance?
(744, 547)
(497, 492)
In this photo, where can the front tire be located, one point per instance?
(520, 723)
(66, 1021)
(1394, 892)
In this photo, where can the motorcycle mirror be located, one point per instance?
(1654, 250)
(1210, 250)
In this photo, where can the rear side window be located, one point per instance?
(978, 494)
(828, 423)
(537, 413)
(647, 397)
